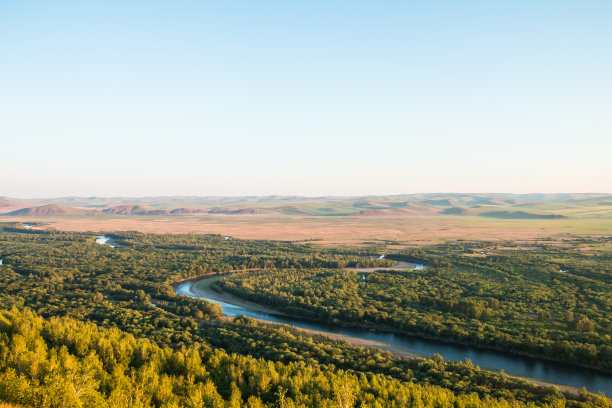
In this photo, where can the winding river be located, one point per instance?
(101, 239)
(546, 371)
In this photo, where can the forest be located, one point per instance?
(545, 300)
(83, 324)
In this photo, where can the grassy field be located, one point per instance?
(392, 220)
(342, 230)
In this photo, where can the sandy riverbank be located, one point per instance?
(355, 341)
(203, 288)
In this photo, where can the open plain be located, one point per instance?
(342, 230)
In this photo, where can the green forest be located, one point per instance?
(87, 325)
(548, 301)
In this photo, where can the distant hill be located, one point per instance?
(498, 205)
(7, 205)
(239, 211)
(131, 209)
(453, 211)
(50, 210)
(292, 210)
(188, 211)
(394, 212)
(369, 204)
(364, 202)
(519, 215)
(443, 202)
(483, 201)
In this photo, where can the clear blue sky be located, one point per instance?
(304, 97)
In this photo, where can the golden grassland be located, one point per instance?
(347, 230)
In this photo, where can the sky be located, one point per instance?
(113, 98)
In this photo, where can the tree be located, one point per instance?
(585, 325)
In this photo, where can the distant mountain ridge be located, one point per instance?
(10, 205)
(498, 205)
(175, 202)
(520, 215)
(131, 209)
(389, 212)
(50, 210)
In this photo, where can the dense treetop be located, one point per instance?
(550, 301)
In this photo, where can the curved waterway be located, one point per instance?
(548, 371)
(101, 239)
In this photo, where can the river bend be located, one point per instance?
(548, 371)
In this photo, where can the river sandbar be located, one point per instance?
(203, 288)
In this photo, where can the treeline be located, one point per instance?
(217, 254)
(552, 303)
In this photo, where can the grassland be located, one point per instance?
(392, 220)
(400, 231)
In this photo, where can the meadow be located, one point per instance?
(343, 231)
(397, 221)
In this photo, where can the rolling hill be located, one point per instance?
(500, 206)
(7, 205)
(50, 210)
(520, 215)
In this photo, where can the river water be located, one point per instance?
(101, 239)
(549, 371)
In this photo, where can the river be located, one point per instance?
(548, 371)
(101, 239)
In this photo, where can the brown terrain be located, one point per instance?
(389, 220)
(130, 209)
(334, 230)
(51, 210)
(395, 212)
(9, 205)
